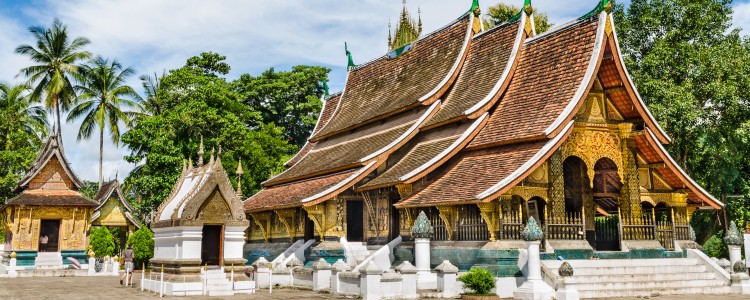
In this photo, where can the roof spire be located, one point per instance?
(476, 25)
(326, 93)
(211, 160)
(200, 153)
(350, 64)
(604, 5)
(239, 173)
(184, 166)
(419, 18)
(407, 30)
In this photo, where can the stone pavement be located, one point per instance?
(109, 288)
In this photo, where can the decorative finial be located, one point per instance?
(565, 270)
(691, 233)
(390, 38)
(733, 235)
(422, 228)
(200, 153)
(604, 5)
(219, 154)
(532, 232)
(350, 64)
(211, 160)
(326, 93)
(419, 17)
(239, 173)
(739, 267)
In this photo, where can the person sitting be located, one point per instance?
(43, 243)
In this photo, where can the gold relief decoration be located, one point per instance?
(656, 198)
(489, 213)
(448, 215)
(590, 146)
(630, 191)
(644, 178)
(528, 192)
(215, 210)
(528, 27)
(404, 190)
(557, 185)
(51, 177)
(317, 213)
(660, 183)
(262, 219)
(539, 175)
(286, 216)
(679, 200)
(608, 27)
(340, 213)
(612, 112)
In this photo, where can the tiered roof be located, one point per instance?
(112, 190)
(477, 112)
(51, 181)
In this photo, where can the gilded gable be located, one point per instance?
(215, 210)
(52, 177)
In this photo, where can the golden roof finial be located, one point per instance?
(200, 153)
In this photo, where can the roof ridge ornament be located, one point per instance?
(200, 153)
(407, 32)
(604, 5)
(526, 8)
(477, 25)
(350, 63)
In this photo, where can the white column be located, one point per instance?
(92, 266)
(567, 291)
(747, 249)
(369, 282)
(337, 268)
(262, 272)
(534, 288)
(422, 255)
(321, 275)
(735, 254)
(115, 265)
(234, 240)
(12, 268)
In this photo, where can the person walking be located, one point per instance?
(128, 259)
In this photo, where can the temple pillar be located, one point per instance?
(556, 193)
(448, 215)
(630, 202)
(317, 214)
(489, 213)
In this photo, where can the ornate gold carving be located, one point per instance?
(612, 112)
(317, 213)
(404, 190)
(590, 146)
(630, 202)
(51, 177)
(608, 27)
(660, 183)
(528, 192)
(286, 216)
(489, 213)
(448, 215)
(262, 219)
(656, 198)
(528, 27)
(215, 210)
(539, 175)
(557, 185)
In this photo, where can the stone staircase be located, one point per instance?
(361, 251)
(217, 283)
(48, 261)
(641, 277)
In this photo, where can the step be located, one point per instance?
(220, 293)
(647, 285)
(656, 292)
(583, 279)
(598, 263)
(641, 270)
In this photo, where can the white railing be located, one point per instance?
(383, 257)
(288, 252)
(299, 253)
(348, 252)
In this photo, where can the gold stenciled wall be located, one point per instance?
(24, 224)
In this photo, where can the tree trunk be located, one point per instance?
(57, 116)
(101, 153)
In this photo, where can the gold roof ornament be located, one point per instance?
(407, 29)
(200, 153)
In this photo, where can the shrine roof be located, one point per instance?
(329, 106)
(50, 198)
(291, 194)
(53, 147)
(387, 86)
(356, 148)
(485, 73)
(105, 193)
(553, 74)
(475, 176)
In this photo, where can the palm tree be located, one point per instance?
(102, 94)
(55, 57)
(150, 105)
(17, 111)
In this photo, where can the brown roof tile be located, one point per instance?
(549, 73)
(289, 195)
(471, 173)
(346, 151)
(388, 85)
(325, 115)
(487, 60)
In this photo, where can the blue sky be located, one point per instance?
(156, 35)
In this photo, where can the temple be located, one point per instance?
(483, 129)
(114, 211)
(49, 219)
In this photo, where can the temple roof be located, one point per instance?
(387, 86)
(329, 106)
(291, 194)
(50, 198)
(52, 148)
(112, 190)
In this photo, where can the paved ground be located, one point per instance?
(109, 288)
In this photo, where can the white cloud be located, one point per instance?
(741, 17)
(152, 36)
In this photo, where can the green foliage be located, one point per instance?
(55, 59)
(715, 246)
(692, 67)
(89, 189)
(22, 128)
(143, 245)
(478, 280)
(196, 101)
(288, 99)
(102, 241)
(502, 12)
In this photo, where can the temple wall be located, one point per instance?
(24, 224)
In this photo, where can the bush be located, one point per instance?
(478, 280)
(102, 242)
(715, 246)
(143, 246)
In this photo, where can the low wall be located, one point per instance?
(253, 251)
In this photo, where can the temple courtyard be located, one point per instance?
(109, 288)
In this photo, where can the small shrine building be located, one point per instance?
(48, 207)
(482, 128)
(114, 211)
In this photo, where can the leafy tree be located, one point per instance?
(56, 58)
(89, 189)
(290, 99)
(22, 128)
(197, 101)
(102, 241)
(103, 93)
(691, 67)
(151, 86)
(502, 12)
(143, 246)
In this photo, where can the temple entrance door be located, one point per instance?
(309, 227)
(354, 220)
(395, 224)
(606, 191)
(577, 194)
(49, 232)
(211, 245)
